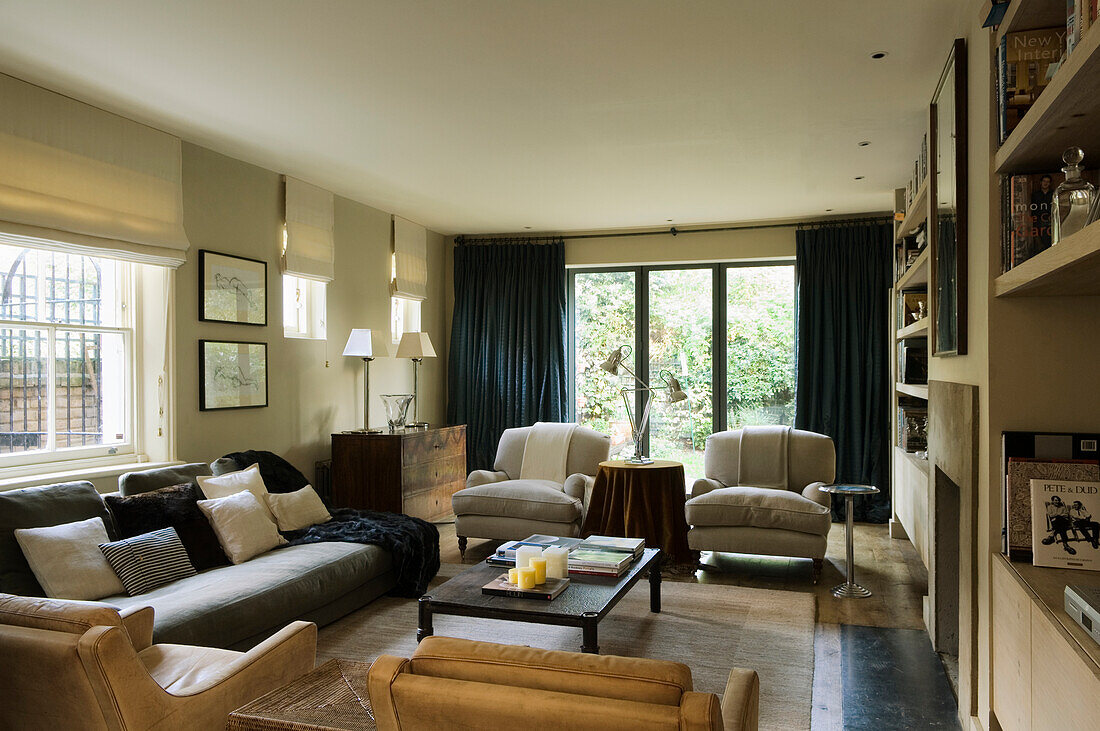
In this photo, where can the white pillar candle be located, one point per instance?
(524, 554)
(557, 562)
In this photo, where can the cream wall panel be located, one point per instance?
(1012, 651)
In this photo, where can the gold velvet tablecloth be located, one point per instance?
(640, 501)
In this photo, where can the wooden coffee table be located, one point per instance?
(587, 600)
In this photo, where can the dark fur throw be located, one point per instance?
(413, 543)
(278, 474)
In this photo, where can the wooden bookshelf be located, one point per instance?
(917, 390)
(1063, 116)
(915, 215)
(920, 464)
(914, 330)
(1029, 15)
(1071, 267)
(917, 274)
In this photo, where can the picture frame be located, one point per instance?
(948, 219)
(232, 289)
(232, 375)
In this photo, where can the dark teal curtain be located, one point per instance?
(507, 357)
(843, 352)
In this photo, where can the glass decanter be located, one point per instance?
(1069, 210)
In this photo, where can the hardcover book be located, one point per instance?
(1064, 533)
(500, 586)
(508, 549)
(633, 546)
(1029, 55)
(1021, 471)
(1030, 199)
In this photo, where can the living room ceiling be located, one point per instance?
(508, 115)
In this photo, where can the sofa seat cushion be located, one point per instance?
(758, 507)
(223, 606)
(530, 499)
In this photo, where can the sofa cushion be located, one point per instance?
(150, 560)
(135, 483)
(32, 507)
(223, 606)
(242, 525)
(67, 561)
(758, 507)
(531, 499)
(298, 509)
(177, 507)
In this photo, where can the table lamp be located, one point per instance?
(416, 346)
(639, 421)
(368, 345)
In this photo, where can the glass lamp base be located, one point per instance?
(849, 590)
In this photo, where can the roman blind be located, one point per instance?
(410, 251)
(78, 179)
(309, 213)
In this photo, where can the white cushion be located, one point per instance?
(758, 507)
(242, 525)
(298, 509)
(67, 561)
(233, 482)
(527, 499)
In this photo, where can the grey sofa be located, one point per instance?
(233, 607)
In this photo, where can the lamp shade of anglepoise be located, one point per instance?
(416, 346)
(366, 343)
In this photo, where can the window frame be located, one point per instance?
(52, 456)
(312, 313)
(640, 347)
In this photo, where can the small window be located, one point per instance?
(303, 308)
(66, 357)
(404, 317)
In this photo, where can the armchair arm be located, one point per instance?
(138, 622)
(700, 712)
(811, 492)
(380, 677)
(741, 701)
(579, 486)
(704, 485)
(485, 477)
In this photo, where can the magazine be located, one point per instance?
(1064, 532)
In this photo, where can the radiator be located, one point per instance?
(323, 481)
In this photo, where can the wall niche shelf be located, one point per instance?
(916, 274)
(916, 390)
(1070, 267)
(913, 330)
(915, 215)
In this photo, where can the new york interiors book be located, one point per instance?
(1064, 533)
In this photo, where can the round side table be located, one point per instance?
(849, 588)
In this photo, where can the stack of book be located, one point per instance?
(592, 556)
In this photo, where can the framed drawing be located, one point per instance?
(232, 289)
(948, 225)
(232, 375)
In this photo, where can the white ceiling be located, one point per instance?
(491, 116)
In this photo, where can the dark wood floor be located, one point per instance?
(890, 568)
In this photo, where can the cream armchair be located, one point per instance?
(69, 664)
(452, 683)
(497, 504)
(765, 500)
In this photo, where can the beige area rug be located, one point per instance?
(709, 627)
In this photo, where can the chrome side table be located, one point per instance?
(849, 588)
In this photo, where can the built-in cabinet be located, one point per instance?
(1045, 669)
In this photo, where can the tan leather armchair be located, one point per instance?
(69, 664)
(462, 684)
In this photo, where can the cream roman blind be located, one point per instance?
(309, 213)
(76, 178)
(410, 250)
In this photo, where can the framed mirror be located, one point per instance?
(948, 222)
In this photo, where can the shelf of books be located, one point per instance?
(917, 273)
(1055, 114)
(916, 390)
(916, 213)
(1070, 268)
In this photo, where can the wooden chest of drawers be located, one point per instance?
(413, 472)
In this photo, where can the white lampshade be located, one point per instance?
(415, 345)
(366, 343)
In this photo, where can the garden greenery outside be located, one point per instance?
(759, 346)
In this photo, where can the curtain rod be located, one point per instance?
(676, 232)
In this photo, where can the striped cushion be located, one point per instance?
(147, 561)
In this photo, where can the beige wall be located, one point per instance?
(236, 208)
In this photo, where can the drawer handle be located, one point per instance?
(439, 445)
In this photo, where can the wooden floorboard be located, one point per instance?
(890, 568)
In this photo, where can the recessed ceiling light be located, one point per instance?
(878, 54)
(828, 210)
(527, 228)
(859, 177)
(864, 143)
(669, 220)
